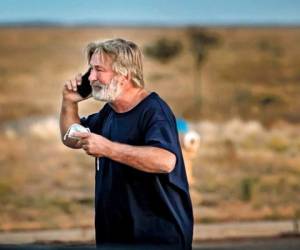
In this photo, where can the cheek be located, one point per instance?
(105, 78)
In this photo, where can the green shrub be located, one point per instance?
(201, 42)
(278, 144)
(163, 50)
(271, 47)
(247, 189)
(269, 99)
(5, 189)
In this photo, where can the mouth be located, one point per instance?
(97, 87)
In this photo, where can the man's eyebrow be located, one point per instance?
(96, 66)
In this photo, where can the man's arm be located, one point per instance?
(68, 116)
(145, 158)
(69, 110)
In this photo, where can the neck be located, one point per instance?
(129, 100)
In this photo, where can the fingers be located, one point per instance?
(82, 135)
(78, 79)
(89, 144)
(87, 149)
(72, 84)
(83, 141)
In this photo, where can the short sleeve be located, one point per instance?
(160, 134)
(163, 135)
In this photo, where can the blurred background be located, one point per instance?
(229, 68)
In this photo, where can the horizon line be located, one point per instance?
(42, 23)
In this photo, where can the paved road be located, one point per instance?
(217, 231)
(291, 243)
(202, 232)
(245, 235)
(258, 244)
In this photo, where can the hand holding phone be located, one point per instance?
(85, 89)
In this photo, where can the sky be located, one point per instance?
(152, 12)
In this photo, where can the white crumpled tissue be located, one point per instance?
(75, 128)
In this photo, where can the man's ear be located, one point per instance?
(126, 78)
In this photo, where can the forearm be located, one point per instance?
(144, 158)
(68, 116)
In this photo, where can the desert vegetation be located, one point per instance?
(238, 87)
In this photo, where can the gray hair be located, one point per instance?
(126, 57)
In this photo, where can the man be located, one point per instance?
(141, 193)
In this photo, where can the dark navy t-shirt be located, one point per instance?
(133, 206)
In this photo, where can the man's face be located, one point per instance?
(104, 81)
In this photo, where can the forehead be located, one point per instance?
(101, 59)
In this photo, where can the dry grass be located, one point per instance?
(252, 74)
(245, 171)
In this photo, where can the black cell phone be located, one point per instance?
(85, 89)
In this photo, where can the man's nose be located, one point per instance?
(92, 76)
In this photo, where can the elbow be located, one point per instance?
(169, 163)
(70, 143)
(66, 144)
